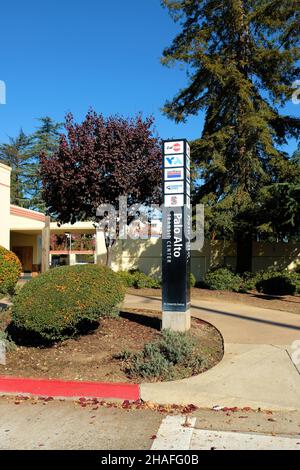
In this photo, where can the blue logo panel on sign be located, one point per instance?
(173, 161)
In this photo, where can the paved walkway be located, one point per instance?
(238, 323)
(257, 369)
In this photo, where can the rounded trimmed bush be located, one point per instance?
(278, 283)
(55, 304)
(222, 279)
(10, 271)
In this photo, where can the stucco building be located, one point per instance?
(39, 243)
(26, 233)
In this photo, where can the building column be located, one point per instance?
(100, 254)
(5, 172)
(46, 245)
(72, 259)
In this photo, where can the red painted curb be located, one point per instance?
(68, 389)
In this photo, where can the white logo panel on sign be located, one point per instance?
(174, 200)
(174, 175)
(174, 188)
(174, 148)
(173, 161)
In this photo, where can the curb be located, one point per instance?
(68, 389)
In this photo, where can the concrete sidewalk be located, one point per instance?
(256, 370)
(238, 323)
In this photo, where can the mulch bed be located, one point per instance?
(92, 357)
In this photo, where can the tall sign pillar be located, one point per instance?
(176, 256)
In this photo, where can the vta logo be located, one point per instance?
(174, 161)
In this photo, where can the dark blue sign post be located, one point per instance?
(176, 257)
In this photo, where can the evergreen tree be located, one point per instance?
(242, 58)
(45, 140)
(16, 155)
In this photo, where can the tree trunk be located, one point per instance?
(243, 253)
(109, 253)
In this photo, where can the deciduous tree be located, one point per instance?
(97, 161)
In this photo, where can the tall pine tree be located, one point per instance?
(16, 154)
(22, 154)
(242, 58)
(45, 140)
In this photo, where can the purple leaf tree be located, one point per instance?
(96, 162)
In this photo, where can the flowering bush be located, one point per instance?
(10, 271)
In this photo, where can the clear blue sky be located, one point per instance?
(69, 55)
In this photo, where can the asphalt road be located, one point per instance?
(60, 425)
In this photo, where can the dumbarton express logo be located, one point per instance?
(174, 174)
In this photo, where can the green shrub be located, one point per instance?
(10, 271)
(278, 283)
(127, 278)
(138, 279)
(249, 281)
(143, 281)
(177, 347)
(149, 363)
(192, 280)
(173, 356)
(55, 304)
(222, 279)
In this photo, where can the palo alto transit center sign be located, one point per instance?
(176, 258)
